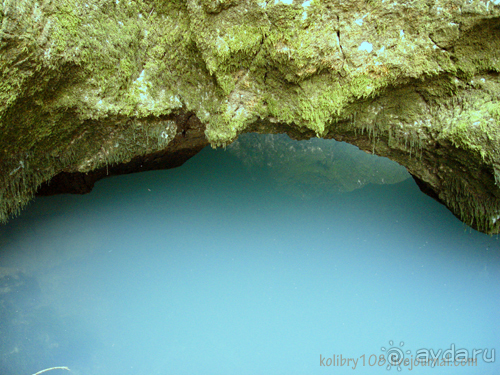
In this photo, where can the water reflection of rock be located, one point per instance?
(308, 168)
(33, 336)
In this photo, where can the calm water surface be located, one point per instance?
(211, 269)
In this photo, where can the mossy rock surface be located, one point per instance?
(88, 84)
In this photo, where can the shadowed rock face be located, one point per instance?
(95, 88)
(188, 141)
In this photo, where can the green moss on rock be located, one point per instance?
(90, 82)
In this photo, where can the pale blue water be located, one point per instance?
(208, 269)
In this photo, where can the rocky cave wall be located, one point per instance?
(97, 87)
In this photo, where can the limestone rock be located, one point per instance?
(95, 85)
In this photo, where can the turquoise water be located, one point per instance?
(212, 268)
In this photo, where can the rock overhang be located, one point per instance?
(88, 84)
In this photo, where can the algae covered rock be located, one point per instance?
(95, 84)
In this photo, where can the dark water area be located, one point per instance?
(212, 269)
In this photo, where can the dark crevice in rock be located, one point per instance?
(426, 189)
(83, 183)
(189, 140)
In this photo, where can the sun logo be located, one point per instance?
(395, 356)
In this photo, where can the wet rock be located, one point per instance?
(90, 91)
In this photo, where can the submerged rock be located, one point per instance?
(35, 336)
(91, 88)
